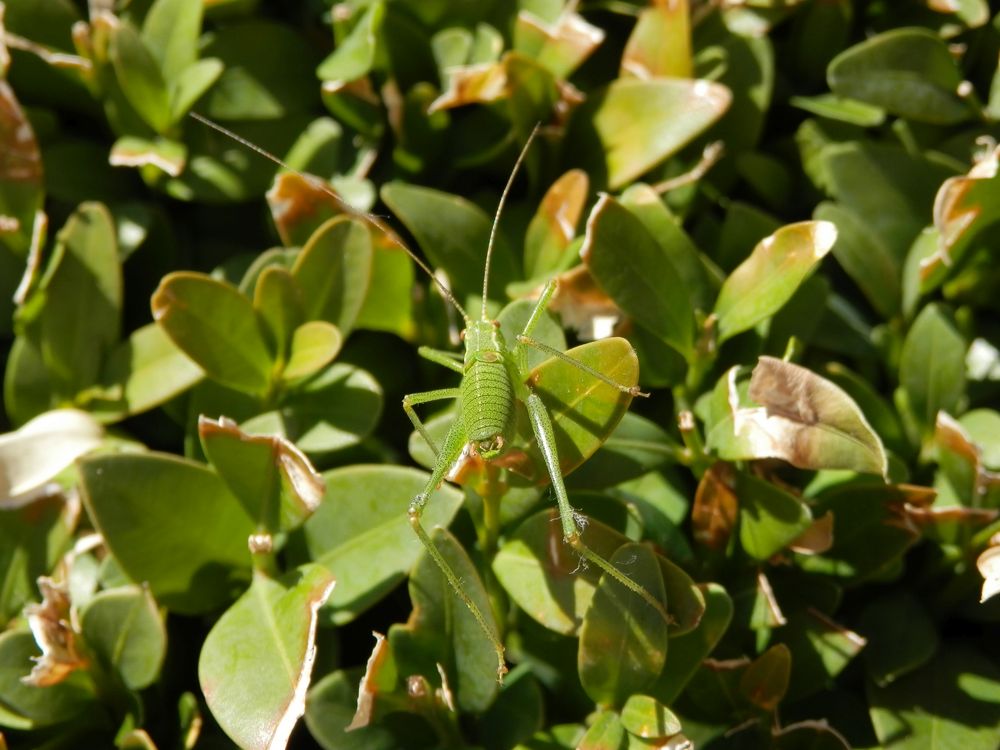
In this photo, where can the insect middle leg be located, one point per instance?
(425, 397)
(454, 443)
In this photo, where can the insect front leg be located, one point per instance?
(412, 399)
(454, 442)
(541, 425)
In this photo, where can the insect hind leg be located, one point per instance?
(541, 424)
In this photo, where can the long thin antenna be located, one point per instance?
(496, 219)
(375, 221)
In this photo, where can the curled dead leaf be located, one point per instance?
(51, 622)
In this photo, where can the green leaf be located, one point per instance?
(770, 518)
(689, 649)
(388, 306)
(140, 77)
(766, 280)
(605, 733)
(217, 327)
(171, 523)
(170, 31)
(277, 301)
(257, 660)
(164, 154)
(637, 124)
(516, 714)
(81, 296)
(334, 270)
(124, 629)
(623, 641)
(822, 649)
(370, 544)
(908, 714)
(554, 224)
(542, 574)
(26, 707)
(442, 631)
(273, 479)
(354, 56)
(909, 72)
(834, 107)
(191, 84)
(454, 234)
(901, 636)
(865, 258)
(660, 44)
(637, 274)
(314, 345)
(932, 365)
(646, 717)
(637, 446)
(333, 410)
(147, 369)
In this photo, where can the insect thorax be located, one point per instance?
(487, 390)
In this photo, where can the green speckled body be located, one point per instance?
(487, 390)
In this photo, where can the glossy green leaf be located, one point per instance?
(33, 537)
(834, 107)
(516, 714)
(646, 717)
(689, 649)
(932, 365)
(966, 684)
(901, 636)
(865, 258)
(388, 306)
(215, 326)
(256, 662)
(170, 523)
(623, 640)
(637, 273)
(908, 72)
(147, 369)
(314, 345)
(362, 532)
(271, 478)
(770, 517)
(140, 77)
(442, 631)
(454, 234)
(123, 628)
(983, 427)
(766, 280)
(560, 46)
(333, 410)
(334, 270)
(637, 124)
(542, 574)
(821, 649)
(27, 707)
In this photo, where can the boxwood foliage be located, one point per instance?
(787, 210)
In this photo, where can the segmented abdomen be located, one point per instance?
(487, 400)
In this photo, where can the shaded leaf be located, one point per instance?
(623, 641)
(169, 522)
(314, 345)
(716, 507)
(140, 77)
(124, 629)
(766, 678)
(932, 365)
(553, 227)
(770, 518)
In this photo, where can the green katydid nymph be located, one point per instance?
(496, 383)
